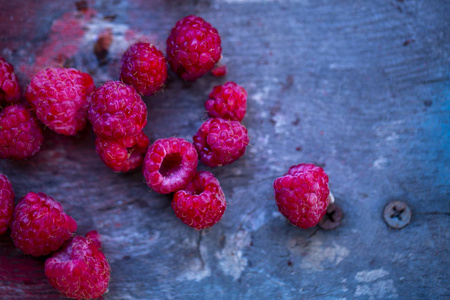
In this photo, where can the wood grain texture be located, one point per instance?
(360, 88)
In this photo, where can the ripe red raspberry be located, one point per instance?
(117, 111)
(228, 101)
(39, 225)
(20, 134)
(170, 164)
(6, 203)
(144, 67)
(201, 203)
(193, 47)
(80, 269)
(302, 195)
(124, 154)
(220, 142)
(9, 86)
(61, 98)
(219, 71)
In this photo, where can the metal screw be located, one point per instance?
(397, 214)
(332, 218)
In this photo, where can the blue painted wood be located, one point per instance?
(358, 87)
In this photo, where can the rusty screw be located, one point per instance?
(397, 214)
(332, 218)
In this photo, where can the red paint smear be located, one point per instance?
(63, 42)
(132, 37)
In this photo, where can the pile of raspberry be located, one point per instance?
(64, 100)
(39, 226)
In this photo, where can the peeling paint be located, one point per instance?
(383, 289)
(317, 256)
(379, 163)
(369, 276)
(196, 272)
(231, 258)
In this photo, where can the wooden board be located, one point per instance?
(360, 88)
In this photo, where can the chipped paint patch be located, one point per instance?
(369, 276)
(197, 271)
(280, 124)
(231, 258)
(277, 215)
(261, 96)
(378, 289)
(317, 257)
(197, 268)
(380, 163)
(401, 257)
(260, 143)
(383, 289)
(256, 220)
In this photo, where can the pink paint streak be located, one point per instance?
(63, 42)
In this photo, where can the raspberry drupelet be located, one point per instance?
(117, 111)
(80, 269)
(201, 204)
(302, 195)
(6, 203)
(144, 67)
(228, 101)
(193, 48)
(125, 154)
(170, 164)
(9, 85)
(20, 133)
(220, 142)
(61, 98)
(39, 225)
(219, 71)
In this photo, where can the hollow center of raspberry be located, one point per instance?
(130, 151)
(198, 190)
(170, 164)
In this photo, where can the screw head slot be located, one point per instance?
(397, 214)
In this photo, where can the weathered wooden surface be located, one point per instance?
(358, 87)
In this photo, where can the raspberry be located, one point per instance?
(302, 195)
(193, 47)
(170, 164)
(144, 67)
(39, 225)
(219, 71)
(9, 86)
(6, 203)
(220, 142)
(228, 101)
(20, 134)
(201, 203)
(124, 154)
(80, 269)
(61, 98)
(117, 111)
